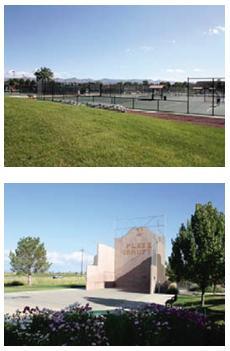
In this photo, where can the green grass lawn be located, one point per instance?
(39, 133)
(43, 282)
(214, 305)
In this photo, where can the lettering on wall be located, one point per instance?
(140, 248)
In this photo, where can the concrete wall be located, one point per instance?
(136, 255)
(101, 273)
(136, 264)
(161, 259)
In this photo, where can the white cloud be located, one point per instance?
(6, 255)
(128, 51)
(143, 48)
(68, 258)
(197, 70)
(62, 74)
(175, 70)
(173, 41)
(12, 73)
(146, 48)
(216, 30)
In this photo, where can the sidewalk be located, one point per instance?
(104, 299)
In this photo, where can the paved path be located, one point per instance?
(98, 299)
(212, 121)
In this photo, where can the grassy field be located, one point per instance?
(214, 305)
(41, 133)
(43, 281)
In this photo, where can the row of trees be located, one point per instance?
(198, 250)
(45, 73)
(22, 84)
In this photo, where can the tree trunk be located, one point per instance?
(214, 288)
(202, 297)
(29, 279)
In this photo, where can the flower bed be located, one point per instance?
(77, 325)
(104, 106)
(100, 105)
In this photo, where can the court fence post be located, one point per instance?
(158, 105)
(114, 101)
(213, 94)
(133, 103)
(188, 95)
(52, 91)
(75, 92)
(44, 90)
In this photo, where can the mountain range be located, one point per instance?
(90, 80)
(104, 80)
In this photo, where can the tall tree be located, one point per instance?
(198, 250)
(44, 73)
(29, 257)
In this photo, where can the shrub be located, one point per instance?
(172, 289)
(194, 287)
(167, 288)
(76, 325)
(14, 283)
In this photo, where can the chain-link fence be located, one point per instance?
(200, 96)
(21, 88)
(207, 94)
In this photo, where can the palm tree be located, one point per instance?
(44, 73)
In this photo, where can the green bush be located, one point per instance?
(14, 283)
(172, 289)
(167, 288)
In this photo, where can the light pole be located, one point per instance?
(82, 253)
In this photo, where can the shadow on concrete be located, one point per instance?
(74, 286)
(115, 302)
(7, 297)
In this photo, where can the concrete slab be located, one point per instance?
(104, 299)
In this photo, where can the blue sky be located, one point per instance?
(123, 42)
(68, 217)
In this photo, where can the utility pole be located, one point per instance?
(82, 254)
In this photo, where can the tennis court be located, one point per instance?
(198, 97)
(173, 104)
